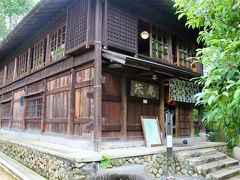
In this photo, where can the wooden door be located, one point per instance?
(184, 119)
(111, 107)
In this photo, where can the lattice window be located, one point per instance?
(1, 76)
(184, 54)
(38, 55)
(10, 71)
(34, 107)
(5, 109)
(57, 43)
(159, 44)
(76, 24)
(22, 64)
(121, 26)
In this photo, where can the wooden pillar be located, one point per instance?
(178, 58)
(200, 119)
(43, 115)
(29, 61)
(177, 119)
(162, 117)
(124, 106)
(11, 112)
(24, 111)
(98, 77)
(170, 52)
(15, 70)
(48, 53)
(71, 115)
(5, 75)
(191, 120)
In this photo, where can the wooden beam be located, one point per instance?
(71, 114)
(124, 106)
(98, 77)
(161, 108)
(43, 115)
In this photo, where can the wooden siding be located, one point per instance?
(83, 104)
(120, 26)
(18, 109)
(57, 103)
(136, 109)
(77, 21)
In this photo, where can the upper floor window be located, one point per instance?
(38, 54)
(152, 41)
(159, 44)
(22, 64)
(57, 43)
(10, 71)
(185, 53)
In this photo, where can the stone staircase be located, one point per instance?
(210, 163)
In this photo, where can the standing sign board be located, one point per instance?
(151, 130)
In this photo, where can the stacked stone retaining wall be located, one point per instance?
(55, 167)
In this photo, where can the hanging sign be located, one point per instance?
(144, 90)
(151, 130)
(182, 91)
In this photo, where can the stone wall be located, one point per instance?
(47, 165)
(54, 167)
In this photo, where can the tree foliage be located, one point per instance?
(11, 12)
(219, 24)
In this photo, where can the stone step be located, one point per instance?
(235, 178)
(214, 166)
(225, 173)
(206, 159)
(181, 156)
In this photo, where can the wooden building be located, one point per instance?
(92, 68)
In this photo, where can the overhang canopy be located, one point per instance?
(155, 65)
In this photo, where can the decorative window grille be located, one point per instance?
(38, 55)
(184, 54)
(1, 76)
(57, 43)
(121, 26)
(6, 110)
(34, 108)
(22, 64)
(77, 25)
(159, 44)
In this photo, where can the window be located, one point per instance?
(184, 54)
(34, 107)
(57, 43)
(22, 64)
(159, 44)
(6, 110)
(38, 55)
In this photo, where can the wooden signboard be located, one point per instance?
(151, 130)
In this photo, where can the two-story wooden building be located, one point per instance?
(92, 68)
